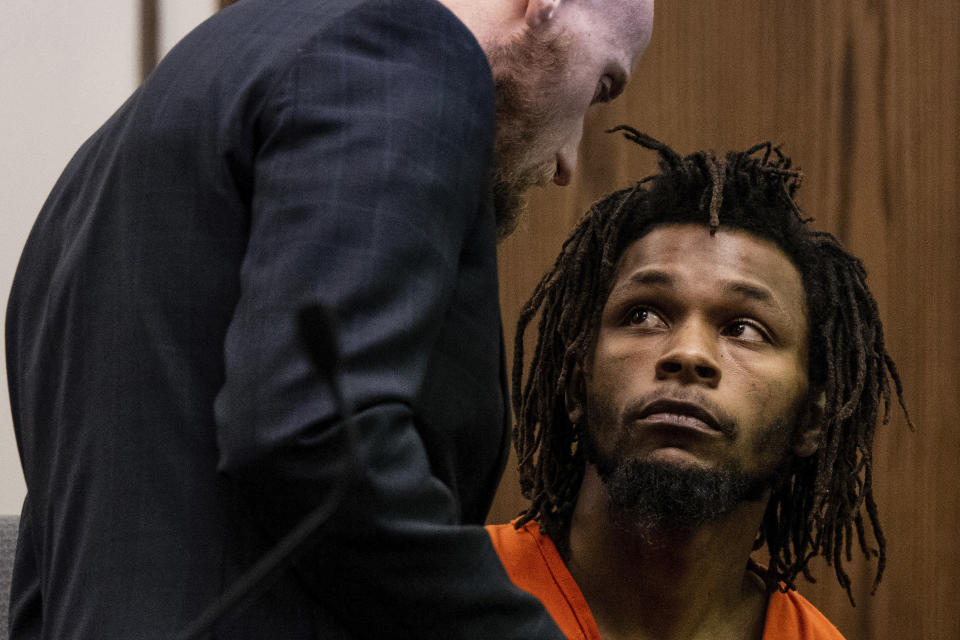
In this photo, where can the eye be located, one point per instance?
(604, 91)
(744, 330)
(645, 318)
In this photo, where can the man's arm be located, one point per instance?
(370, 175)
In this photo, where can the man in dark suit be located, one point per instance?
(290, 155)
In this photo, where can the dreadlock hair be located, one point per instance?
(818, 507)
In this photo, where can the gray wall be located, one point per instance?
(66, 68)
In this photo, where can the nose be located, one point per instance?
(567, 160)
(566, 165)
(690, 358)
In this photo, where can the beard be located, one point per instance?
(525, 71)
(650, 497)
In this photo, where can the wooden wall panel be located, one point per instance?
(149, 37)
(865, 95)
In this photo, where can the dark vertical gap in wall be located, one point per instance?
(149, 36)
(847, 138)
(888, 180)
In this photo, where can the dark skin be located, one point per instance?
(692, 585)
(716, 325)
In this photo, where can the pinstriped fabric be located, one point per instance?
(285, 153)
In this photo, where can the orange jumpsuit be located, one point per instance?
(534, 565)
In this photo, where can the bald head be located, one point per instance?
(551, 60)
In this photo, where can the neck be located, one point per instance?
(666, 584)
(490, 21)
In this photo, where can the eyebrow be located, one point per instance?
(651, 278)
(657, 278)
(645, 278)
(747, 290)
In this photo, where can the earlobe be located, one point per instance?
(573, 396)
(809, 430)
(540, 12)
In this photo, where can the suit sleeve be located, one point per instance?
(370, 173)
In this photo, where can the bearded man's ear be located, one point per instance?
(540, 12)
(575, 396)
(809, 432)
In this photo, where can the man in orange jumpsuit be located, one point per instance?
(706, 383)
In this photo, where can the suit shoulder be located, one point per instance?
(422, 33)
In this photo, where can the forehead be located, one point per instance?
(623, 27)
(731, 260)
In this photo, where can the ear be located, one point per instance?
(806, 440)
(574, 397)
(540, 12)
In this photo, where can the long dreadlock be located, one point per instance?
(818, 509)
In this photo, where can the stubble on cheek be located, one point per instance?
(776, 422)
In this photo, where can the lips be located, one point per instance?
(680, 414)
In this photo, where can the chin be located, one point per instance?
(674, 457)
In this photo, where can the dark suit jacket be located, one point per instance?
(170, 422)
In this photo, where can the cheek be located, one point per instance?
(770, 392)
(566, 108)
(621, 365)
(602, 421)
(560, 130)
(621, 371)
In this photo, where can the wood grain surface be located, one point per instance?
(865, 96)
(149, 37)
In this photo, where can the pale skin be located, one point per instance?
(720, 321)
(606, 38)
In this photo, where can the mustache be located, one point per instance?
(519, 179)
(725, 422)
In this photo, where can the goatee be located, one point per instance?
(662, 497)
(509, 195)
(650, 497)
